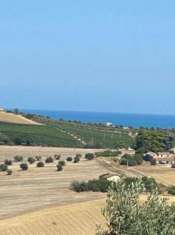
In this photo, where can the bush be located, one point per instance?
(59, 167)
(76, 159)
(31, 160)
(57, 157)
(62, 163)
(99, 185)
(24, 166)
(8, 162)
(126, 215)
(108, 153)
(131, 160)
(89, 156)
(49, 160)
(18, 158)
(40, 164)
(69, 159)
(3, 167)
(9, 172)
(149, 183)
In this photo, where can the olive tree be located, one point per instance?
(126, 214)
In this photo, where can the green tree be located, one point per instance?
(126, 215)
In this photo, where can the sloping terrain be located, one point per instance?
(36, 188)
(19, 134)
(14, 118)
(76, 219)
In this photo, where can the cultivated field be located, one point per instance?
(32, 151)
(41, 187)
(75, 219)
(14, 118)
(163, 174)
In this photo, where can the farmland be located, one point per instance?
(64, 134)
(35, 135)
(42, 187)
(76, 219)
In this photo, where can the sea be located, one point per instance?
(126, 120)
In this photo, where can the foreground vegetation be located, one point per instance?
(126, 214)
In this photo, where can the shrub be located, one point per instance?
(131, 160)
(31, 160)
(62, 163)
(9, 172)
(108, 153)
(18, 158)
(69, 159)
(76, 159)
(40, 164)
(57, 157)
(49, 160)
(8, 162)
(96, 185)
(149, 183)
(24, 166)
(126, 215)
(89, 156)
(59, 167)
(3, 167)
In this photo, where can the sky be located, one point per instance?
(95, 55)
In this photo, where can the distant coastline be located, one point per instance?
(127, 120)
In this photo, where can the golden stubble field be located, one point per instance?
(36, 188)
(163, 174)
(14, 118)
(75, 219)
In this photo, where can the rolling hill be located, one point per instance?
(6, 117)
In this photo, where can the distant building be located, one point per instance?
(109, 124)
(1, 109)
(160, 158)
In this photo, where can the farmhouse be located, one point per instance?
(160, 157)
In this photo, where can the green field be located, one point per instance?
(35, 135)
(98, 136)
(64, 134)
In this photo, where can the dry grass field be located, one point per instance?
(32, 151)
(41, 187)
(75, 219)
(14, 118)
(163, 174)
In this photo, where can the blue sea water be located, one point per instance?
(134, 120)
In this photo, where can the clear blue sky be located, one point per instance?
(93, 55)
